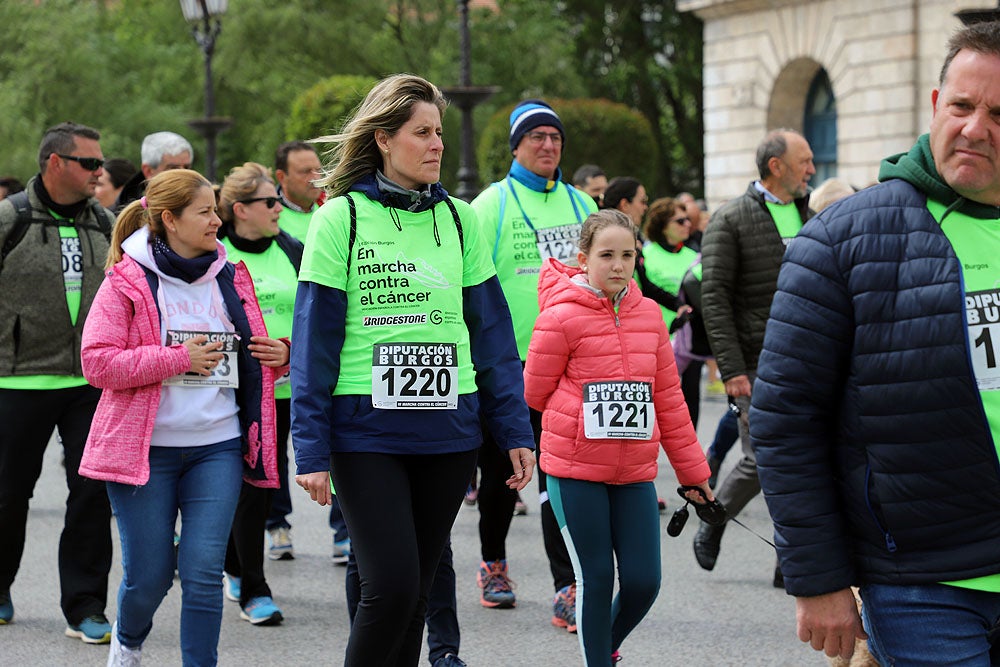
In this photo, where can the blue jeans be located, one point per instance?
(930, 624)
(203, 483)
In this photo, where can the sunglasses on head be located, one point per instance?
(268, 201)
(88, 163)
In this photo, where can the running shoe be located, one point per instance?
(94, 629)
(564, 608)
(280, 544)
(341, 551)
(6, 608)
(498, 589)
(261, 611)
(231, 587)
(520, 507)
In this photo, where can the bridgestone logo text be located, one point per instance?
(394, 320)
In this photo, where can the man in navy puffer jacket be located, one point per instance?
(876, 412)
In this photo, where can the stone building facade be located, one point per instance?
(854, 76)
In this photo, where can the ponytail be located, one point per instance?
(132, 218)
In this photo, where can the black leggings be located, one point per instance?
(399, 510)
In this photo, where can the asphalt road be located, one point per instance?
(731, 616)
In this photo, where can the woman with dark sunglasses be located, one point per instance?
(249, 208)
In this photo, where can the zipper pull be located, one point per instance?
(890, 543)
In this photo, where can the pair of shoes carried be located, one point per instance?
(498, 589)
(471, 495)
(564, 608)
(449, 660)
(231, 587)
(280, 543)
(707, 542)
(121, 655)
(94, 629)
(6, 608)
(261, 611)
(520, 507)
(341, 551)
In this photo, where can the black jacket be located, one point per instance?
(872, 445)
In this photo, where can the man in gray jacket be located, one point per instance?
(741, 254)
(55, 240)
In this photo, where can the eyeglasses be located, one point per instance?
(540, 137)
(681, 221)
(268, 201)
(88, 163)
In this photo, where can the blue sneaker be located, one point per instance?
(231, 587)
(261, 611)
(92, 630)
(6, 608)
(341, 551)
(498, 589)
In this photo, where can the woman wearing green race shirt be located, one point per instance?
(249, 209)
(402, 337)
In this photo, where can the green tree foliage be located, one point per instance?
(322, 109)
(602, 132)
(131, 67)
(648, 56)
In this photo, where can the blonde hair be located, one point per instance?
(831, 190)
(241, 183)
(388, 106)
(595, 222)
(172, 190)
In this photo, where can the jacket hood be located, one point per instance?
(559, 283)
(138, 247)
(917, 168)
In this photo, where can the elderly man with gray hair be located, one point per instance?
(160, 151)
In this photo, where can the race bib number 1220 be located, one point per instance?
(415, 376)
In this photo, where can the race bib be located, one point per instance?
(982, 311)
(72, 263)
(415, 376)
(560, 242)
(618, 409)
(226, 374)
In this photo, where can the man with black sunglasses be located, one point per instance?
(55, 241)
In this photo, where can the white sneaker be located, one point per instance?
(341, 551)
(280, 547)
(122, 656)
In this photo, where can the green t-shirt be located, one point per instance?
(532, 223)
(295, 222)
(666, 269)
(977, 244)
(404, 287)
(275, 283)
(786, 219)
(72, 266)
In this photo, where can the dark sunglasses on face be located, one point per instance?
(268, 201)
(88, 163)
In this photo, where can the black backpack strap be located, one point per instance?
(353, 235)
(22, 220)
(458, 223)
(105, 220)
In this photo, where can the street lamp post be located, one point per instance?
(205, 17)
(466, 97)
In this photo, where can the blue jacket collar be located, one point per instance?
(533, 181)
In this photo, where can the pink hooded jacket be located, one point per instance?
(122, 354)
(578, 338)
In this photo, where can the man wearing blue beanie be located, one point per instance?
(532, 215)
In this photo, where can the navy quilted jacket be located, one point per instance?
(872, 445)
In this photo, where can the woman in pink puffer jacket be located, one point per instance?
(601, 370)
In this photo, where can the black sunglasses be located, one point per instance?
(268, 201)
(88, 163)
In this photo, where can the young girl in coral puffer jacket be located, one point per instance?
(601, 370)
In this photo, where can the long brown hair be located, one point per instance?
(172, 190)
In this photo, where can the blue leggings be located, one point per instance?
(601, 523)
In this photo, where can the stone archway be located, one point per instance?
(787, 107)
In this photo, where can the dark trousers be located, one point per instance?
(555, 547)
(281, 498)
(691, 388)
(496, 500)
(443, 636)
(399, 511)
(245, 551)
(28, 418)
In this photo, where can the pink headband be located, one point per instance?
(143, 202)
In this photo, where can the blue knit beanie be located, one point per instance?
(528, 115)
